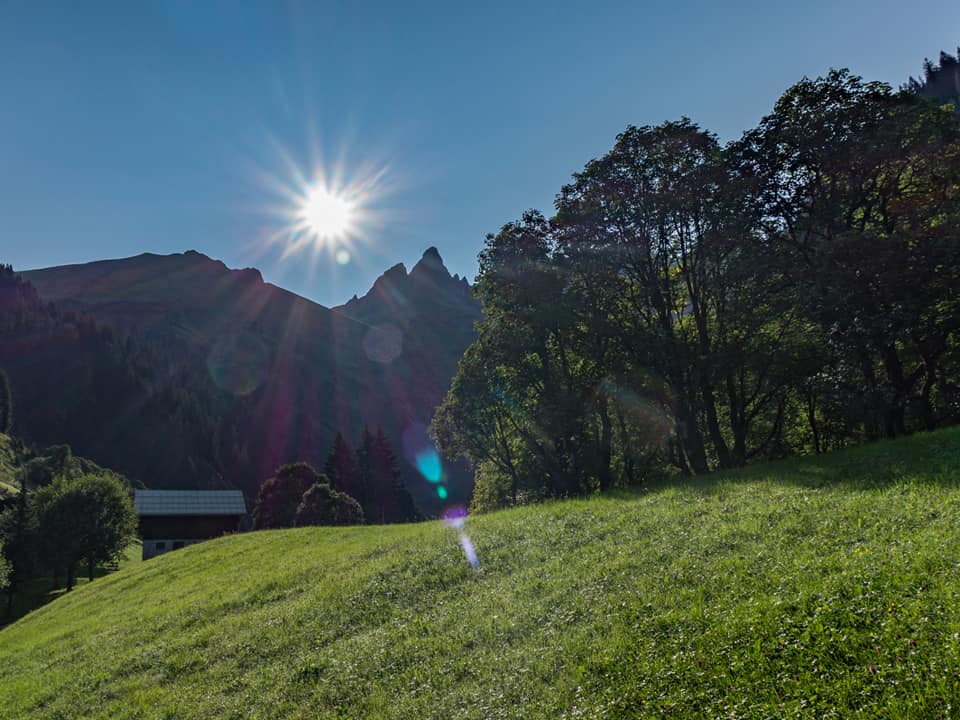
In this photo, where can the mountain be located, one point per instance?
(431, 311)
(277, 374)
(74, 381)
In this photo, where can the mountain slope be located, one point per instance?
(283, 373)
(74, 381)
(819, 587)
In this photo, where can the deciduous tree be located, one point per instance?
(88, 519)
(280, 496)
(322, 505)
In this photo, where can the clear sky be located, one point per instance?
(129, 127)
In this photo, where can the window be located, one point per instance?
(161, 546)
(177, 544)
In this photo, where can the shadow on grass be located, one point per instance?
(37, 592)
(929, 458)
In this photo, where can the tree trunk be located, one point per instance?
(739, 440)
(691, 440)
(812, 419)
(90, 567)
(896, 413)
(71, 571)
(629, 462)
(678, 457)
(926, 407)
(606, 440)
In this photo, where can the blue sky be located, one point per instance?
(129, 127)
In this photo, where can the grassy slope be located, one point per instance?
(39, 591)
(826, 587)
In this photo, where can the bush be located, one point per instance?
(280, 496)
(322, 505)
(491, 489)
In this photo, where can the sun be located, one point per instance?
(328, 215)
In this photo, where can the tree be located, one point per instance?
(322, 505)
(859, 189)
(6, 404)
(388, 500)
(57, 461)
(941, 82)
(639, 321)
(5, 569)
(90, 518)
(342, 470)
(18, 534)
(523, 398)
(280, 496)
(705, 305)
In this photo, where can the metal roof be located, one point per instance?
(189, 502)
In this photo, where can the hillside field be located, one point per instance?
(818, 587)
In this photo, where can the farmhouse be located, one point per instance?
(172, 519)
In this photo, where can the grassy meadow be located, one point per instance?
(816, 588)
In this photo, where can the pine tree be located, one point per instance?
(18, 532)
(6, 404)
(403, 509)
(365, 455)
(343, 470)
(939, 81)
(389, 501)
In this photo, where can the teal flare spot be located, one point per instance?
(428, 463)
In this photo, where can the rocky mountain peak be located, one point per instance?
(430, 264)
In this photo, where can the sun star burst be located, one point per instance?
(326, 214)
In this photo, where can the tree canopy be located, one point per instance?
(322, 505)
(280, 496)
(693, 306)
(87, 519)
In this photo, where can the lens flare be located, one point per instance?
(383, 343)
(455, 518)
(428, 463)
(468, 550)
(239, 364)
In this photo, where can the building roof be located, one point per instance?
(189, 502)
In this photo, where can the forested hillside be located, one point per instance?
(76, 382)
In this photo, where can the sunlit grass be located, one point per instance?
(826, 587)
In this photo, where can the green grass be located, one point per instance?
(41, 590)
(816, 588)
